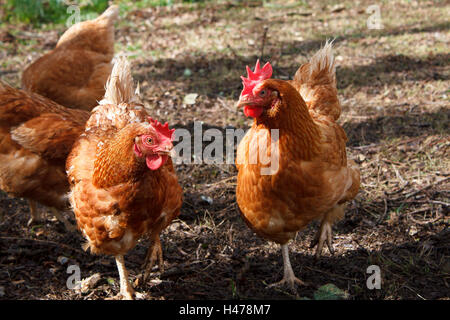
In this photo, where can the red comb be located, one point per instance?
(254, 77)
(162, 129)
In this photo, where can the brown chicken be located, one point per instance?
(36, 136)
(302, 173)
(123, 185)
(75, 72)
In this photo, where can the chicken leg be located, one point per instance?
(154, 252)
(70, 227)
(325, 232)
(126, 290)
(35, 216)
(289, 277)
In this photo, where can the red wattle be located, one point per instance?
(253, 112)
(154, 162)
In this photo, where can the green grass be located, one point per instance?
(58, 11)
(50, 11)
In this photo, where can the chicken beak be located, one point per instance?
(167, 151)
(244, 101)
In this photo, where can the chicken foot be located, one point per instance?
(289, 277)
(324, 233)
(35, 215)
(154, 253)
(70, 227)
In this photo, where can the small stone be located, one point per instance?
(62, 260)
(187, 72)
(174, 226)
(413, 230)
(155, 282)
(207, 199)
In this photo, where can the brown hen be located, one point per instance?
(36, 136)
(302, 173)
(123, 185)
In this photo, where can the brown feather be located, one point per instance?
(36, 135)
(75, 72)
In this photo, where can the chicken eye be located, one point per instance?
(149, 140)
(263, 93)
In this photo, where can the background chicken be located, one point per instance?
(313, 179)
(36, 135)
(123, 184)
(75, 72)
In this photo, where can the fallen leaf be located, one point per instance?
(190, 98)
(337, 8)
(90, 282)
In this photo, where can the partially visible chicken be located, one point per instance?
(311, 178)
(36, 135)
(123, 185)
(74, 74)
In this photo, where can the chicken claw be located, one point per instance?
(289, 277)
(35, 215)
(154, 252)
(325, 233)
(288, 280)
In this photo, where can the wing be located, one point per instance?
(49, 135)
(17, 106)
(39, 124)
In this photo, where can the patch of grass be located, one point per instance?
(50, 11)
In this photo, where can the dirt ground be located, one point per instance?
(394, 88)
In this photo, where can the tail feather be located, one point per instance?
(111, 14)
(120, 87)
(97, 34)
(322, 64)
(316, 82)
